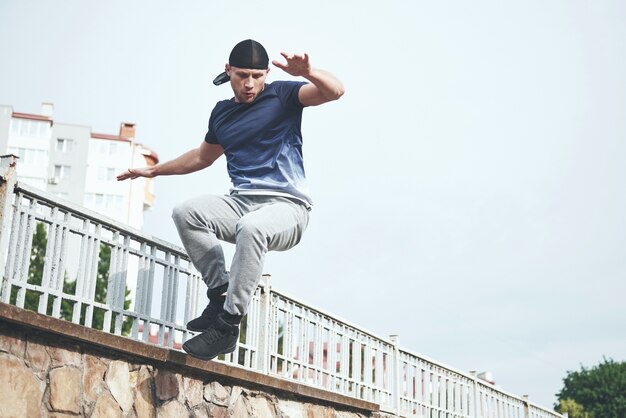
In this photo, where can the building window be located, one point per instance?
(30, 128)
(106, 174)
(64, 145)
(109, 148)
(101, 201)
(29, 156)
(62, 171)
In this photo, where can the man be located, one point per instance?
(258, 130)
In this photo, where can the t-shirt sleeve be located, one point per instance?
(288, 92)
(210, 134)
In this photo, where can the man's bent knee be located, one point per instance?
(247, 231)
(182, 213)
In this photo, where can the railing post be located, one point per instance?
(395, 339)
(474, 394)
(8, 176)
(265, 300)
(526, 407)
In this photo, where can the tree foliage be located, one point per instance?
(35, 275)
(35, 269)
(572, 408)
(97, 320)
(600, 390)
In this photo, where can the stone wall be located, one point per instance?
(43, 374)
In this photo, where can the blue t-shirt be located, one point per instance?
(262, 141)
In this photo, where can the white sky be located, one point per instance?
(470, 187)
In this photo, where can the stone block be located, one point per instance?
(193, 390)
(106, 407)
(215, 393)
(12, 345)
(37, 357)
(291, 409)
(318, 411)
(65, 357)
(263, 406)
(241, 408)
(181, 389)
(65, 389)
(235, 394)
(118, 381)
(172, 409)
(201, 411)
(216, 411)
(93, 378)
(144, 394)
(166, 385)
(21, 390)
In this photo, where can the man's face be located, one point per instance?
(247, 84)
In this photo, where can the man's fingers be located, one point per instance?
(279, 64)
(128, 174)
(295, 64)
(290, 57)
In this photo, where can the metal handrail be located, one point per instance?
(281, 335)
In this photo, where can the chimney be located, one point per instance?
(127, 130)
(487, 377)
(47, 109)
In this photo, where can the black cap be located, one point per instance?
(246, 54)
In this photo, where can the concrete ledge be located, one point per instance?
(173, 358)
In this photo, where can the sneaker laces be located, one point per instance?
(209, 311)
(212, 335)
(218, 332)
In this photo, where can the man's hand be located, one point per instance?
(191, 161)
(323, 86)
(297, 65)
(133, 173)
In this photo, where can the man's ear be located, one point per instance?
(227, 68)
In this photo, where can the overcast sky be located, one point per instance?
(470, 186)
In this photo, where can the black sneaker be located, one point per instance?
(215, 307)
(205, 320)
(220, 338)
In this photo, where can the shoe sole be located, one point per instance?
(207, 358)
(197, 329)
(194, 329)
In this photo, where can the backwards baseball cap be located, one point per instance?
(246, 54)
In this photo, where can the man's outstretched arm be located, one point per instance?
(191, 161)
(324, 86)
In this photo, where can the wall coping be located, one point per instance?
(165, 356)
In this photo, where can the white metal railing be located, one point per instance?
(280, 336)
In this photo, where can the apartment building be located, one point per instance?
(77, 164)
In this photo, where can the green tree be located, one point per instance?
(35, 268)
(35, 274)
(572, 408)
(600, 390)
(97, 320)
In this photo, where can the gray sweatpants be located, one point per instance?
(255, 224)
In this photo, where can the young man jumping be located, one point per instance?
(258, 130)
